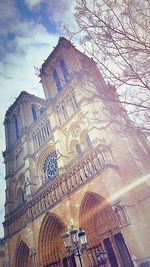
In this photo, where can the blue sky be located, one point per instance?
(29, 29)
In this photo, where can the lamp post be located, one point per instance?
(75, 242)
(33, 256)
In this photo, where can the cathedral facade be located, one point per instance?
(74, 158)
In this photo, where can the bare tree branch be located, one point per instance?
(116, 34)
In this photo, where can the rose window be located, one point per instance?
(50, 166)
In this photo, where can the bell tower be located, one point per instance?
(60, 67)
(18, 119)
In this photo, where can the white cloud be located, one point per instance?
(8, 12)
(61, 12)
(32, 3)
(9, 16)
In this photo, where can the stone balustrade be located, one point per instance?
(89, 165)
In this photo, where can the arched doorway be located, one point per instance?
(50, 245)
(101, 225)
(23, 258)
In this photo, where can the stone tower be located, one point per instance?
(74, 158)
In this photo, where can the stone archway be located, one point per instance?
(99, 221)
(23, 258)
(101, 225)
(96, 217)
(50, 245)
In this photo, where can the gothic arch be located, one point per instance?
(22, 258)
(85, 139)
(20, 196)
(19, 189)
(64, 69)
(20, 179)
(98, 219)
(73, 145)
(34, 112)
(50, 244)
(73, 133)
(96, 216)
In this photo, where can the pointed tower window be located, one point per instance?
(34, 113)
(16, 127)
(88, 141)
(78, 149)
(64, 69)
(57, 81)
(41, 110)
(65, 113)
(74, 101)
(21, 198)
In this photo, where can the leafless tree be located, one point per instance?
(117, 35)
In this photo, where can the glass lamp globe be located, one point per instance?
(82, 237)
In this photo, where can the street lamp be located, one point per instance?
(75, 242)
(33, 256)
